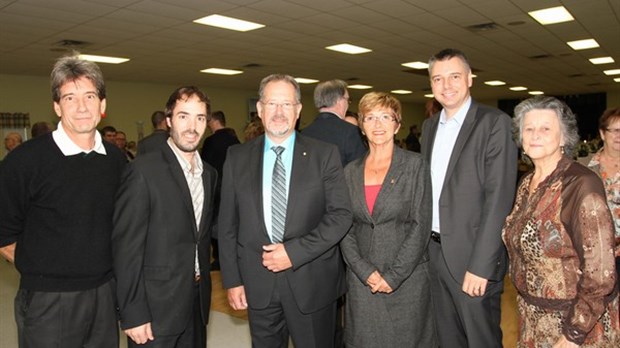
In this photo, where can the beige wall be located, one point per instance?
(132, 102)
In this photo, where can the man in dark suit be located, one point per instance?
(281, 217)
(213, 152)
(159, 135)
(161, 238)
(332, 100)
(473, 170)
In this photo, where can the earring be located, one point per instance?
(562, 149)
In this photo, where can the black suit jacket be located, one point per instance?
(152, 142)
(477, 193)
(318, 216)
(154, 242)
(329, 128)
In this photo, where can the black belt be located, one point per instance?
(436, 237)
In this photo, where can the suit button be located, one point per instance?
(372, 225)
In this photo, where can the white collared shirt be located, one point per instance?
(69, 148)
(445, 138)
(193, 174)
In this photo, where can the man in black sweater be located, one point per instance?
(57, 196)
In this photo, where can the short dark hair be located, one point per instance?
(107, 129)
(68, 69)
(40, 128)
(157, 117)
(219, 115)
(186, 92)
(446, 54)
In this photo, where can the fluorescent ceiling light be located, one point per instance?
(601, 60)
(228, 23)
(401, 91)
(552, 15)
(617, 79)
(536, 92)
(612, 72)
(360, 86)
(103, 59)
(349, 49)
(495, 83)
(583, 44)
(518, 88)
(221, 71)
(305, 80)
(473, 76)
(429, 96)
(416, 65)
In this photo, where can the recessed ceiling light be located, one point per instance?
(612, 72)
(219, 71)
(401, 91)
(552, 15)
(103, 59)
(617, 79)
(358, 86)
(601, 60)
(228, 23)
(518, 88)
(416, 65)
(495, 83)
(429, 96)
(583, 44)
(473, 76)
(536, 92)
(305, 80)
(349, 49)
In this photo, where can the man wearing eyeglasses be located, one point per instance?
(284, 208)
(332, 99)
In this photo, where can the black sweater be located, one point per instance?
(59, 211)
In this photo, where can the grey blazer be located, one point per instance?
(477, 193)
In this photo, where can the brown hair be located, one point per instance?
(379, 99)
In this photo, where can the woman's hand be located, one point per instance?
(564, 343)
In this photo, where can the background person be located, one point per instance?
(159, 136)
(388, 299)
(560, 238)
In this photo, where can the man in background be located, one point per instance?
(159, 135)
(161, 237)
(121, 142)
(332, 100)
(57, 195)
(213, 152)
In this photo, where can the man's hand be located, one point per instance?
(275, 258)
(8, 252)
(140, 334)
(236, 298)
(373, 279)
(473, 285)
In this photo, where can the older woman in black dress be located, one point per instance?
(388, 303)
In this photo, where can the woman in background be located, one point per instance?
(388, 303)
(606, 163)
(560, 238)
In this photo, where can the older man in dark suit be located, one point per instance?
(332, 99)
(284, 208)
(473, 170)
(161, 238)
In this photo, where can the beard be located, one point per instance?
(185, 146)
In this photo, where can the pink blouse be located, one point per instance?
(371, 193)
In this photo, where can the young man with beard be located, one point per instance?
(161, 238)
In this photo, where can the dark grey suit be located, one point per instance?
(329, 128)
(476, 197)
(318, 216)
(393, 241)
(152, 142)
(154, 243)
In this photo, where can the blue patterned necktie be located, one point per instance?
(278, 197)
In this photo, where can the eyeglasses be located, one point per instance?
(273, 105)
(614, 131)
(385, 118)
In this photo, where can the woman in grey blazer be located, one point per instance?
(388, 303)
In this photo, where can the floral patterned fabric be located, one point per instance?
(612, 192)
(561, 245)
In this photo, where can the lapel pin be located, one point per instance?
(304, 153)
(392, 181)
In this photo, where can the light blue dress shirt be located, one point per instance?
(269, 160)
(445, 138)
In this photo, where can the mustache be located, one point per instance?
(190, 132)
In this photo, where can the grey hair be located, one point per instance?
(447, 54)
(327, 93)
(275, 78)
(566, 117)
(71, 68)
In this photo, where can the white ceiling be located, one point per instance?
(166, 47)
